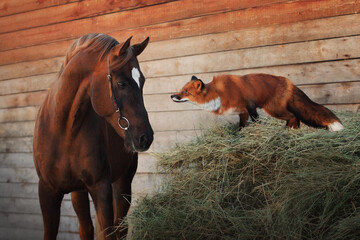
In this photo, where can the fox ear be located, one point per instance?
(199, 85)
(194, 78)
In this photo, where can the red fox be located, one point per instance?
(280, 98)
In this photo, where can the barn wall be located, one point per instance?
(315, 43)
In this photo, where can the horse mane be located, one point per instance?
(96, 42)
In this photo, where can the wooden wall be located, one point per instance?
(315, 43)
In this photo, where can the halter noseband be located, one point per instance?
(121, 117)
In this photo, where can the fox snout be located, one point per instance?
(177, 98)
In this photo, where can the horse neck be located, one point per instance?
(70, 94)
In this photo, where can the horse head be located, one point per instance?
(117, 95)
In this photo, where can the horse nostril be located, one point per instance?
(143, 141)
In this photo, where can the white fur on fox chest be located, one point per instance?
(215, 105)
(212, 105)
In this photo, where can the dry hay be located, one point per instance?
(264, 182)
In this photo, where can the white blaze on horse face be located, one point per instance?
(136, 75)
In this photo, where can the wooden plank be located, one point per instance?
(163, 102)
(13, 160)
(27, 84)
(186, 120)
(27, 69)
(322, 72)
(143, 183)
(68, 12)
(337, 93)
(299, 74)
(21, 233)
(9, 7)
(16, 145)
(17, 129)
(18, 175)
(340, 26)
(19, 190)
(32, 206)
(38, 52)
(160, 102)
(265, 16)
(333, 93)
(22, 99)
(35, 221)
(293, 53)
(355, 108)
(147, 163)
(139, 17)
(169, 139)
(18, 114)
(146, 183)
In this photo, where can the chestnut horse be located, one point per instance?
(88, 131)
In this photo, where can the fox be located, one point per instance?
(242, 95)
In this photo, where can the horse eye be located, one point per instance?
(122, 84)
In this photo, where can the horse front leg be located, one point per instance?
(80, 201)
(122, 198)
(50, 202)
(101, 194)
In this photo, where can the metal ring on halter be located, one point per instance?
(127, 123)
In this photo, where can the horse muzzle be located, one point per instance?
(145, 142)
(138, 142)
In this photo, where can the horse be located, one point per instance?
(88, 133)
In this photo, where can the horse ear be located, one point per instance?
(139, 48)
(125, 46)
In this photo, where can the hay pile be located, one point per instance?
(263, 182)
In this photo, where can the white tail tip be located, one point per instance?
(335, 126)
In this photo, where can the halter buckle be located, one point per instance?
(126, 127)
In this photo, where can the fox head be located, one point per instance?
(192, 91)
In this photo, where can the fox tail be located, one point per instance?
(311, 113)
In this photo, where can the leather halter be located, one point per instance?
(117, 101)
